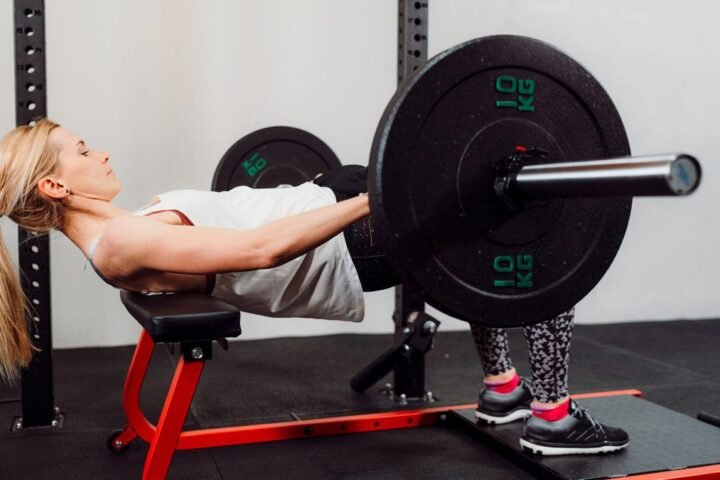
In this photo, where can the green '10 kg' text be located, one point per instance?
(254, 164)
(521, 89)
(516, 271)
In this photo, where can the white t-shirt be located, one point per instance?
(320, 284)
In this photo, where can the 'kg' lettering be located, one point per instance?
(521, 89)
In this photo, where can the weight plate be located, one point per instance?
(431, 181)
(273, 156)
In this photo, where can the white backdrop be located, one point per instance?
(168, 85)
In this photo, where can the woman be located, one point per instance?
(274, 252)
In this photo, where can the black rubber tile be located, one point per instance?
(59, 455)
(88, 388)
(689, 399)
(9, 392)
(688, 345)
(271, 379)
(89, 385)
(8, 411)
(417, 453)
(266, 380)
(600, 367)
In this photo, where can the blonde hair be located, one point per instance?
(26, 156)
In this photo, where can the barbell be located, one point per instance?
(501, 181)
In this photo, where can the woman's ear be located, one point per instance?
(53, 188)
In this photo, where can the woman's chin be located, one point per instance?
(116, 190)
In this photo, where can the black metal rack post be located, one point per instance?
(38, 407)
(409, 376)
(414, 329)
(412, 37)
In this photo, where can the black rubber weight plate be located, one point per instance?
(274, 156)
(431, 181)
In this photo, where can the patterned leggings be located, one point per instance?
(548, 348)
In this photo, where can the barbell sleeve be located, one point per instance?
(655, 175)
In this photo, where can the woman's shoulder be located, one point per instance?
(123, 241)
(125, 230)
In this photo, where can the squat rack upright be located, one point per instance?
(38, 402)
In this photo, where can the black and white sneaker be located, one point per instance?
(499, 408)
(577, 433)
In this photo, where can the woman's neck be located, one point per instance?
(85, 219)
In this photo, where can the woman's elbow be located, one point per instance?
(269, 254)
(267, 258)
(274, 257)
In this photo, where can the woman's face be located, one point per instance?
(82, 170)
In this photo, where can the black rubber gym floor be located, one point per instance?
(675, 364)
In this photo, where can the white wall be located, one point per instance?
(168, 85)
(7, 99)
(658, 61)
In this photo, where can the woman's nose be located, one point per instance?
(105, 157)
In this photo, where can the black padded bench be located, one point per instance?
(182, 317)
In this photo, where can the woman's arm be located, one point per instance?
(133, 243)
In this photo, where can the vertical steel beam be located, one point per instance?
(412, 37)
(38, 407)
(409, 376)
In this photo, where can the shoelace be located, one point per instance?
(583, 414)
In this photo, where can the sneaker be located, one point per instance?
(499, 408)
(577, 433)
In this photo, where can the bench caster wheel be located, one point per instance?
(116, 446)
